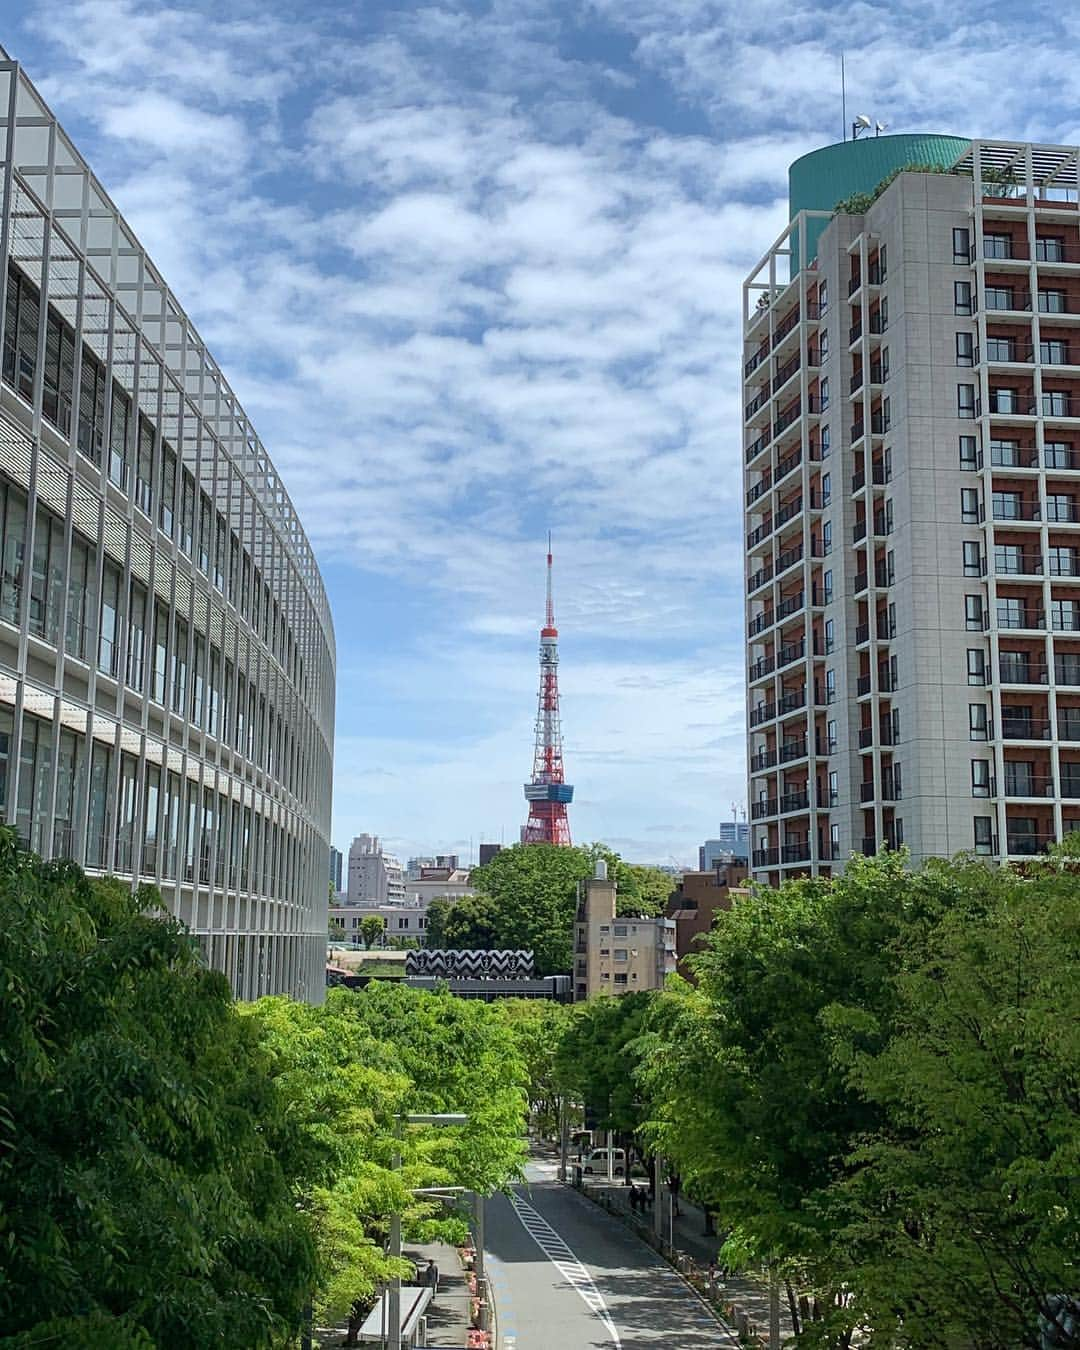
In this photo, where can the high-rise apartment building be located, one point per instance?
(375, 876)
(166, 648)
(615, 954)
(912, 500)
(335, 869)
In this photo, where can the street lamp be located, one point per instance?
(441, 1118)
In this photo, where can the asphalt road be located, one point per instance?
(567, 1276)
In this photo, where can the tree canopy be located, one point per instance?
(145, 1163)
(876, 1086)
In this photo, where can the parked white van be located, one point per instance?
(596, 1162)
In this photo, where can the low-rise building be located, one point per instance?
(695, 902)
(612, 954)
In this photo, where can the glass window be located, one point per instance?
(144, 468)
(137, 611)
(1006, 505)
(977, 722)
(823, 296)
(830, 686)
(827, 587)
(1065, 615)
(834, 788)
(1063, 561)
(826, 442)
(969, 455)
(830, 635)
(965, 349)
(830, 738)
(973, 612)
(824, 390)
(1000, 349)
(999, 297)
(1008, 559)
(13, 523)
(1058, 454)
(118, 437)
(984, 834)
(1052, 302)
(980, 778)
(962, 297)
(1005, 400)
(1054, 352)
(168, 491)
(970, 511)
(826, 489)
(965, 400)
(997, 246)
(976, 666)
(1055, 403)
(961, 245)
(1050, 248)
(1005, 453)
(826, 538)
(109, 628)
(972, 558)
(1011, 612)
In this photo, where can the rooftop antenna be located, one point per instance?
(843, 96)
(735, 811)
(862, 123)
(879, 127)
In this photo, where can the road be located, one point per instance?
(567, 1276)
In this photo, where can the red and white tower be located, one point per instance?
(547, 794)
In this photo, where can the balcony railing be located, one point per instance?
(1033, 619)
(755, 447)
(754, 362)
(789, 462)
(758, 490)
(1017, 565)
(760, 622)
(1026, 845)
(878, 426)
(763, 666)
(1067, 673)
(1016, 508)
(791, 605)
(764, 712)
(1026, 728)
(1028, 785)
(794, 749)
(1014, 455)
(759, 810)
(756, 403)
(1027, 672)
(794, 801)
(766, 857)
(785, 373)
(762, 760)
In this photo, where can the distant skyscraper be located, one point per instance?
(335, 868)
(375, 877)
(733, 841)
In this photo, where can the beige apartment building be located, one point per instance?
(912, 509)
(614, 955)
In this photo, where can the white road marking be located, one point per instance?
(564, 1261)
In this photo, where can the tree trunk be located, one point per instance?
(793, 1308)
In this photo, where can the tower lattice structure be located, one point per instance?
(547, 793)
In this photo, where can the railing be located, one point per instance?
(758, 490)
(1020, 508)
(1026, 728)
(1014, 455)
(785, 326)
(763, 666)
(794, 801)
(1028, 845)
(869, 845)
(1013, 565)
(759, 810)
(1027, 672)
(1067, 674)
(1068, 728)
(760, 532)
(764, 712)
(866, 792)
(795, 853)
(759, 578)
(863, 685)
(756, 403)
(766, 857)
(1028, 785)
(762, 760)
(760, 622)
(791, 605)
(878, 426)
(788, 558)
(792, 701)
(1024, 618)
(755, 361)
(755, 447)
(794, 749)
(789, 462)
(1065, 623)
(785, 373)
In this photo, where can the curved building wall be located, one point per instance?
(167, 655)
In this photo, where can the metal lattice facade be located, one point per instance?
(167, 659)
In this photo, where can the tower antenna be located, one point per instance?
(843, 96)
(547, 793)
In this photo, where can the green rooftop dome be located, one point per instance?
(819, 180)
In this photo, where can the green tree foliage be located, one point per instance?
(372, 930)
(860, 202)
(960, 1217)
(538, 1028)
(438, 912)
(599, 1054)
(527, 897)
(145, 1161)
(346, 1070)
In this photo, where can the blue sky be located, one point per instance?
(474, 270)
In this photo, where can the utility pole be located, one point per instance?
(564, 1137)
(479, 1268)
(658, 1196)
(774, 1311)
(394, 1314)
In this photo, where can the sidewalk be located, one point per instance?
(747, 1294)
(447, 1314)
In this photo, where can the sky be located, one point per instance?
(474, 271)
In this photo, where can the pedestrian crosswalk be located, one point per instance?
(564, 1261)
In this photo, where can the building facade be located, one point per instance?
(166, 648)
(614, 955)
(335, 869)
(694, 904)
(734, 842)
(375, 876)
(912, 488)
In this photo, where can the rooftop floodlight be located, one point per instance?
(861, 123)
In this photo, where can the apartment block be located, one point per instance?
(614, 954)
(912, 509)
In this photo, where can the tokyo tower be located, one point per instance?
(547, 794)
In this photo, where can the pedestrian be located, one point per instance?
(713, 1278)
(431, 1276)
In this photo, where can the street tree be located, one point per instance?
(956, 1222)
(538, 1027)
(146, 1162)
(372, 930)
(438, 913)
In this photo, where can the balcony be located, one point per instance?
(1028, 785)
(878, 427)
(795, 853)
(760, 810)
(1024, 845)
(1022, 672)
(760, 532)
(787, 325)
(758, 490)
(785, 372)
(794, 801)
(764, 712)
(1014, 454)
(755, 447)
(765, 857)
(788, 511)
(1026, 617)
(792, 701)
(1015, 507)
(788, 558)
(760, 622)
(1067, 673)
(754, 362)
(789, 462)
(880, 477)
(759, 578)
(762, 760)
(792, 652)
(1013, 564)
(793, 749)
(756, 404)
(1026, 728)
(763, 666)
(869, 846)
(791, 605)
(866, 792)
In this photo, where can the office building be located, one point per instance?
(375, 876)
(488, 851)
(166, 648)
(912, 489)
(335, 869)
(614, 955)
(733, 842)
